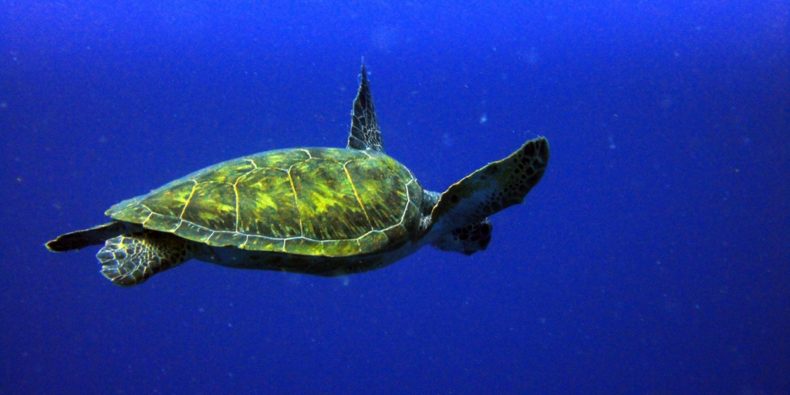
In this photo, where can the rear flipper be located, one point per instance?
(86, 237)
(132, 259)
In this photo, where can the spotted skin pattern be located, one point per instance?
(330, 202)
(493, 187)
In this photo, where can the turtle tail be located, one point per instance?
(86, 237)
(132, 259)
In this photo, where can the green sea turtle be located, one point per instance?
(322, 211)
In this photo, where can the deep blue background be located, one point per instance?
(652, 258)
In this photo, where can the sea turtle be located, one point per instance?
(321, 211)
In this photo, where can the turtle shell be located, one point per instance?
(313, 201)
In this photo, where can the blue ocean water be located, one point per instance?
(651, 259)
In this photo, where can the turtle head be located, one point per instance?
(467, 239)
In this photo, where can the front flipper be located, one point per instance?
(365, 133)
(492, 188)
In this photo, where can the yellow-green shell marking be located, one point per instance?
(313, 201)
